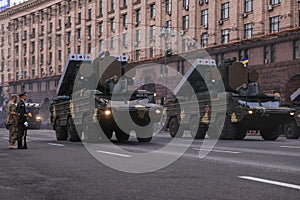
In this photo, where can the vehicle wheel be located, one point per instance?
(197, 131)
(240, 134)
(269, 134)
(60, 131)
(108, 133)
(226, 132)
(174, 128)
(90, 133)
(291, 130)
(72, 132)
(121, 136)
(148, 139)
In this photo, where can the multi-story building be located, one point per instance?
(37, 36)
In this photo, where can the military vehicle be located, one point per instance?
(292, 130)
(244, 111)
(35, 119)
(84, 102)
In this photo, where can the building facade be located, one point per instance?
(37, 36)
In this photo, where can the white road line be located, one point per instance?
(114, 154)
(6, 138)
(290, 147)
(55, 144)
(219, 151)
(271, 182)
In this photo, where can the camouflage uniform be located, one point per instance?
(13, 124)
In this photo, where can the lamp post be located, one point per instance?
(166, 32)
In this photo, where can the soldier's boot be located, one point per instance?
(25, 146)
(20, 146)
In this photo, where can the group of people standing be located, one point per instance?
(16, 121)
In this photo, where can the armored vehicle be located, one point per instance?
(35, 119)
(292, 130)
(85, 103)
(247, 110)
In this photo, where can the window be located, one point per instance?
(273, 53)
(24, 48)
(50, 58)
(204, 17)
(274, 24)
(274, 2)
(124, 20)
(225, 36)
(78, 49)
(100, 28)
(47, 85)
(266, 53)
(152, 11)
(152, 52)
(42, 29)
(112, 5)
(90, 14)
(138, 35)
(204, 40)
(68, 37)
(32, 47)
(185, 22)
(185, 45)
(125, 3)
(33, 60)
(59, 23)
(89, 31)
(89, 48)
(101, 45)
(112, 24)
(32, 75)
(124, 40)
(296, 50)
(50, 27)
(138, 15)
(137, 54)
(169, 7)
(185, 3)
(248, 6)
(101, 8)
(79, 18)
(152, 33)
(169, 26)
(25, 62)
(59, 55)
(42, 59)
(39, 86)
(248, 30)
(112, 43)
(225, 10)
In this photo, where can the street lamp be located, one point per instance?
(166, 32)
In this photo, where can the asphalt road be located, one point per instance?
(249, 169)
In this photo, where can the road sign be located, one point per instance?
(4, 4)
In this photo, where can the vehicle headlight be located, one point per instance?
(107, 112)
(292, 113)
(38, 118)
(158, 111)
(250, 112)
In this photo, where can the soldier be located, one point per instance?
(12, 121)
(243, 90)
(111, 84)
(22, 120)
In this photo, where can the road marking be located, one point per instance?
(55, 144)
(219, 151)
(6, 138)
(290, 147)
(271, 182)
(114, 154)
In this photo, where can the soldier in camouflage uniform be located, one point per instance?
(12, 121)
